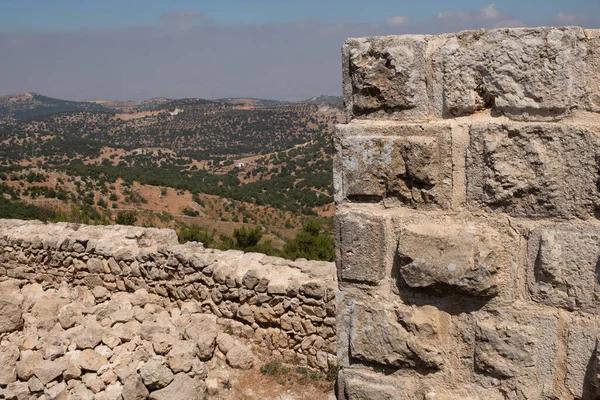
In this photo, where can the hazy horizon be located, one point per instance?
(134, 50)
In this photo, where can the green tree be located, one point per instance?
(310, 243)
(246, 238)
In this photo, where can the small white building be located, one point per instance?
(176, 112)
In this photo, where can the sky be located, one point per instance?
(276, 49)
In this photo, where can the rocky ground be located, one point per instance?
(77, 343)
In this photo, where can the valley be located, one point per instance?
(216, 166)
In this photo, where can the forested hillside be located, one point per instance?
(219, 164)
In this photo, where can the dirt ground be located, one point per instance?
(253, 385)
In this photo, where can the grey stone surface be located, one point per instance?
(361, 250)
(203, 330)
(398, 337)
(46, 370)
(356, 385)
(407, 163)
(474, 158)
(562, 266)
(582, 357)
(155, 375)
(11, 312)
(457, 257)
(534, 170)
(183, 388)
(240, 357)
(519, 348)
(386, 76)
(530, 74)
(9, 354)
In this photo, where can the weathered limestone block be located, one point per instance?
(155, 375)
(386, 76)
(47, 370)
(534, 170)
(240, 357)
(363, 385)
(582, 364)
(592, 70)
(529, 74)
(134, 388)
(9, 354)
(410, 163)
(17, 391)
(182, 388)
(90, 360)
(11, 312)
(446, 255)
(518, 349)
(525, 74)
(401, 337)
(361, 248)
(562, 267)
(476, 393)
(203, 331)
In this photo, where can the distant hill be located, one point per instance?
(249, 101)
(16, 106)
(132, 106)
(335, 101)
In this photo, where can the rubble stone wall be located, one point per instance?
(467, 202)
(286, 308)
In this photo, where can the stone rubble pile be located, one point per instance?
(77, 343)
(286, 308)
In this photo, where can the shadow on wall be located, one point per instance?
(590, 383)
(439, 292)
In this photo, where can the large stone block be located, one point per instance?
(518, 351)
(361, 247)
(582, 366)
(563, 266)
(592, 71)
(525, 74)
(362, 385)
(386, 76)
(534, 170)
(356, 384)
(450, 256)
(401, 337)
(529, 74)
(410, 163)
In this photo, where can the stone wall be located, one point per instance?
(286, 308)
(467, 203)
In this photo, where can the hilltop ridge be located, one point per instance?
(30, 104)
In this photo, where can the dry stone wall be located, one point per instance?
(131, 295)
(467, 204)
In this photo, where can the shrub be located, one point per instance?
(196, 233)
(126, 217)
(190, 213)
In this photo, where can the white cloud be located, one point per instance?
(489, 12)
(570, 19)
(397, 20)
(510, 23)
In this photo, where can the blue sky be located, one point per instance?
(281, 49)
(61, 15)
